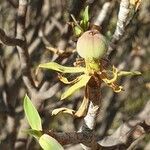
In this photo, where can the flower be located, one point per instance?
(91, 46)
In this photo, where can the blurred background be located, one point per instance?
(47, 26)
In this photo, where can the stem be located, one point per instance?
(92, 65)
(94, 95)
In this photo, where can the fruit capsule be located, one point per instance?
(91, 45)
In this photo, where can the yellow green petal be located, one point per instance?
(65, 80)
(82, 82)
(60, 68)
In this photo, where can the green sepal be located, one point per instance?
(60, 68)
(49, 143)
(128, 73)
(82, 82)
(32, 114)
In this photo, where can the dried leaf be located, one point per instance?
(136, 3)
(106, 80)
(63, 110)
(116, 88)
(83, 108)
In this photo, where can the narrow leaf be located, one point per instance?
(84, 23)
(60, 68)
(82, 82)
(49, 143)
(32, 115)
(86, 15)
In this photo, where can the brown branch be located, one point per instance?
(72, 137)
(10, 41)
(13, 3)
(125, 135)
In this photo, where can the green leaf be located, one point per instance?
(35, 133)
(82, 82)
(60, 68)
(32, 115)
(86, 15)
(49, 143)
(129, 73)
(85, 19)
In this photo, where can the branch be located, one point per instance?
(25, 68)
(21, 44)
(72, 137)
(13, 3)
(125, 135)
(126, 12)
(129, 131)
(120, 28)
(122, 19)
(22, 50)
(10, 41)
(102, 14)
(94, 95)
